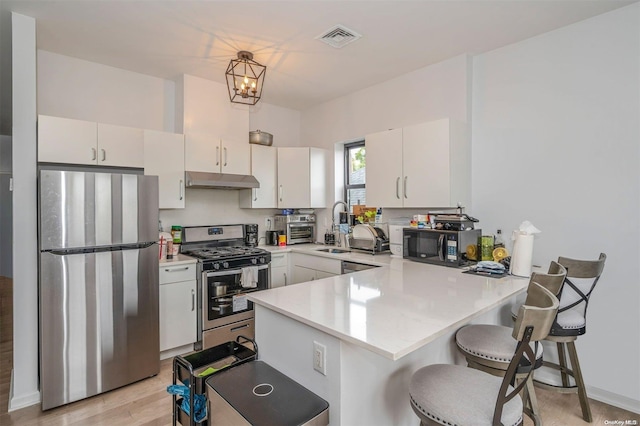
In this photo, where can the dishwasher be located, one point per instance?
(349, 267)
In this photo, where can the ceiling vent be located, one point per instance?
(338, 36)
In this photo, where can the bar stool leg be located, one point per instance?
(562, 360)
(577, 374)
(533, 401)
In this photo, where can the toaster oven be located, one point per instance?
(299, 228)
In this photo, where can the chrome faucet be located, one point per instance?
(333, 219)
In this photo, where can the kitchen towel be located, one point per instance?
(249, 278)
(522, 256)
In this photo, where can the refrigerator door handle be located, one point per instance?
(193, 300)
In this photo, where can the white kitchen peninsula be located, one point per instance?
(378, 327)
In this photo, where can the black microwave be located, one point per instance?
(440, 247)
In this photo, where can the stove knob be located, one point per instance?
(225, 265)
(216, 266)
(262, 260)
(254, 261)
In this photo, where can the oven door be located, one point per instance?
(223, 294)
(301, 233)
(424, 245)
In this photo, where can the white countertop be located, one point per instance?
(392, 310)
(379, 259)
(180, 259)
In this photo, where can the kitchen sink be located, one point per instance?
(334, 250)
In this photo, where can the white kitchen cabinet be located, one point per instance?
(64, 140)
(264, 162)
(210, 153)
(177, 310)
(301, 177)
(309, 267)
(384, 169)
(425, 165)
(120, 146)
(164, 157)
(280, 275)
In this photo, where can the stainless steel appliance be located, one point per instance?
(369, 238)
(271, 238)
(98, 282)
(251, 234)
(440, 247)
(299, 228)
(455, 222)
(228, 270)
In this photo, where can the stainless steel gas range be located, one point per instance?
(228, 270)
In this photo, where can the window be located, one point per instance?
(354, 174)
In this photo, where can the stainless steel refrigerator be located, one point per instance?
(98, 282)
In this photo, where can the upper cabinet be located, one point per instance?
(164, 157)
(63, 140)
(301, 177)
(207, 153)
(425, 165)
(264, 168)
(120, 146)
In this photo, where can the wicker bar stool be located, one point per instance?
(570, 322)
(442, 394)
(490, 348)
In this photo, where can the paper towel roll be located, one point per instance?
(522, 255)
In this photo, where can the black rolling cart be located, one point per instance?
(192, 370)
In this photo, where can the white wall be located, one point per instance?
(24, 390)
(282, 123)
(556, 141)
(74, 88)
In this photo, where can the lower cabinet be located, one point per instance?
(280, 275)
(310, 268)
(178, 310)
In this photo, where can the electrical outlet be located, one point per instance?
(268, 223)
(320, 358)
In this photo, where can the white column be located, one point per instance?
(25, 249)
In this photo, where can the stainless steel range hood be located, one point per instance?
(220, 181)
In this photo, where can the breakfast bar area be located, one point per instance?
(356, 339)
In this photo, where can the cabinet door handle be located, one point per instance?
(217, 155)
(285, 278)
(398, 187)
(255, 194)
(94, 154)
(405, 186)
(176, 269)
(181, 186)
(193, 300)
(225, 157)
(104, 154)
(280, 191)
(240, 327)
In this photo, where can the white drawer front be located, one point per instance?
(279, 260)
(175, 273)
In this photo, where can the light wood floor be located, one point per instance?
(147, 402)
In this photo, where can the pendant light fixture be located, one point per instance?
(245, 78)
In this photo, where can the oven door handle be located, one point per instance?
(233, 271)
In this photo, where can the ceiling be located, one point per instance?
(170, 38)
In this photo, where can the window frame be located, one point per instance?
(347, 185)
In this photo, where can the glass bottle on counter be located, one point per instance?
(499, 241)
